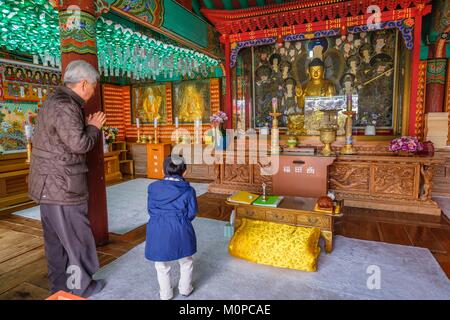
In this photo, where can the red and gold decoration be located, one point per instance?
(436, 84)
(303, 20)
(121, 95)
(420, 106)
(23, 82)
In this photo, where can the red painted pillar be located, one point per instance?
(228, 92)
(77, 22)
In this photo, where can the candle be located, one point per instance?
(176, 122)
(155, 122)
(137, 123)
(28, 131)
(274, 104)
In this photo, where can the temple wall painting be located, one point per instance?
(361, 64)
(23, 89)
(13, 117)
(149, 102)
(191, 101)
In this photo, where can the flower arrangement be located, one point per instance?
(406, 143)
(110, 134)
(218, 118)
(368, 119)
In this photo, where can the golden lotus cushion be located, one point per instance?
(276, 244)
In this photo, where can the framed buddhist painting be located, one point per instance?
(192, 101)
(148, 103)
(13, 117)
(365, 65)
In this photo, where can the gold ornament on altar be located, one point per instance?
(296, 120)
(348, 147)
(327, 137)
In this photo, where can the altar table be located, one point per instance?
(296, 211)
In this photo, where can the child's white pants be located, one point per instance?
(185, 283)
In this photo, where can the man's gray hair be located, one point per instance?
(80, 70)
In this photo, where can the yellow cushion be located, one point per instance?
(275, 244)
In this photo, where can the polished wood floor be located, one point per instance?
(23, 270)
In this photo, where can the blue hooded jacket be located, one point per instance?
(172, 205)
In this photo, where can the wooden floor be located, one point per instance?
(23, 270)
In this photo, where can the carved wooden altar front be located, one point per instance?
(383, 182)
(392, 183)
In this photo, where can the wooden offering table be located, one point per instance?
(296, 211)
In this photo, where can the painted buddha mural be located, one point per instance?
(191, 105)
(152, 102)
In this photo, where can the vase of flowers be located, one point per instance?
(217, 121)
(109, 136)
(406, 146)
(369, 120)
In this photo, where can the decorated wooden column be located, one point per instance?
(77, 25)
(422, 10)
(228, 92)
(435, 85)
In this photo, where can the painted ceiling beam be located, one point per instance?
(170, 19)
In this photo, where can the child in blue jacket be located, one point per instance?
(172, 205)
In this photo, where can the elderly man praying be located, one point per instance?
(58, 182)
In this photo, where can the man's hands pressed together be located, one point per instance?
(97, 119)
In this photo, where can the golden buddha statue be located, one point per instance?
(151, 103)
(191, 106)
(317, 86)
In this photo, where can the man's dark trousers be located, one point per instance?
(70, 248)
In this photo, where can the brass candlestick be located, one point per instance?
(28, 133)
(28, 151)
(348, 147)
(138, 135)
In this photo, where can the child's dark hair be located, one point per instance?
(174, 166)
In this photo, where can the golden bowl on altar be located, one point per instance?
(327, 137)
